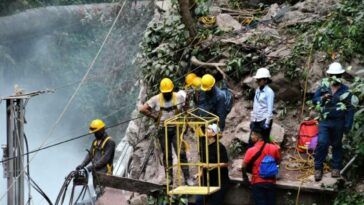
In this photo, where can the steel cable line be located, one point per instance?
(78, 137)
(107, 127)
(74, 94)
(74, 138)
(42, 147)
(97, 76)
(102, 117)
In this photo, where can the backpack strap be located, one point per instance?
(255, 157)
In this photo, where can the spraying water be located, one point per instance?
(58, 59)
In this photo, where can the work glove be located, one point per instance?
(79, 167)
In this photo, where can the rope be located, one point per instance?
(305, 166)
(74, 94)
(306, 82)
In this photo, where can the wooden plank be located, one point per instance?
(128, 184)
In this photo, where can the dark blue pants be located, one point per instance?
(264, 193)
(331, 132)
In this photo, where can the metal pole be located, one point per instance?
(20, 146)
(14, 169)
(10, 145)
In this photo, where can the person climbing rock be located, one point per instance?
(338, 116)
(161, 107)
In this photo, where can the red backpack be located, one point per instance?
(307, 133)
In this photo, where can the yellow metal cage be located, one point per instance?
(197, 119)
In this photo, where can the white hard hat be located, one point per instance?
(335, 68)
(262, 73)
(214, 128)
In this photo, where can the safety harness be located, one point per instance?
(109, 167)
(167, 109)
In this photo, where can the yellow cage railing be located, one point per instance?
(197, 119)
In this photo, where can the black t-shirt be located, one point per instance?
(214, 180)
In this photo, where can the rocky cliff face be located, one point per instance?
(278, 45)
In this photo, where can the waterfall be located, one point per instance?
(52, 47)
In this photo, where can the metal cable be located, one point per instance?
(75, 93)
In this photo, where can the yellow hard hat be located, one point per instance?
(166, 85)
(96, 125)
(189, 79)
(196, 83)
(207, 82)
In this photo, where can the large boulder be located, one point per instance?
(249, 81)
(285, 89)
(242, 132)
(302, 12)
(322, 7)
(316, 73)
(280, 53)
(277, 133)
(227, 23)
(356, 69)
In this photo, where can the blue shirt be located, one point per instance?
(213, 102)
(331, 106)
(263, 105)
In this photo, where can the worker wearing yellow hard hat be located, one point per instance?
(196, 83)
(189, 79)
(160, 107)
(101, 154)
(207, 82)
(192, 85)
(212, 99)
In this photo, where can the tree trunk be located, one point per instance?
(187, 19)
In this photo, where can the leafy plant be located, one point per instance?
(161, 198)
(202, 8)
(349, 198)
(164, 50)
(236, 148)
(343, 34)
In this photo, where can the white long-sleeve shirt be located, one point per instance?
(263, 105)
